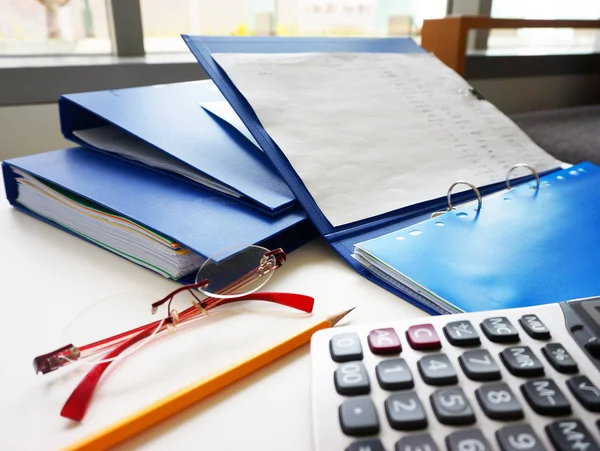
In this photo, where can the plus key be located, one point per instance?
(384, 341)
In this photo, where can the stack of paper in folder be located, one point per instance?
(157, 180)
(370, 135)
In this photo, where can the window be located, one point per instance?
(549, 39)
(49, 27)
(163, 26)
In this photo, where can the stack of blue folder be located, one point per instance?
(232, 197)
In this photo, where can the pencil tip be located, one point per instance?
(334, 319)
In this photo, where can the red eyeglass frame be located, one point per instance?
(76, 405)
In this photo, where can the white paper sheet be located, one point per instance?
(371, 133)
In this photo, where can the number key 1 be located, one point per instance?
(519, 437)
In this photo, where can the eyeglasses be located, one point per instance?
(231, 275)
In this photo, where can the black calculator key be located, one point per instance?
(351, 378)
(345, 347)
(437, 370)
(358, 416)
(420, 442)
(452, 407)
(534, 327)
(518, 438)
(571, 435)
(461, 333)
(371, 444)
(479, 365)
(545, 397)
(394, 374)
(500, 330)
(470, 439)
(498, 402)
(586, 392)
(405, 412)
(521, 361)
(559, 358)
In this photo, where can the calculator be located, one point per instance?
(510, 380)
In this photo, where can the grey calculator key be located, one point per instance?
(571, 435)
(586, 392)
(520, 437)
(451, 407)
(371, 444)
(351, 378)
(405, 412)
(545, 397)
(345, 347)
(358, 416)
(470, 439)
(394, 374)
(500, 330)
(420, 442)
(559, 358)
(521, 361)
(461, 333)
(534, 327)
(479, 365)
(498, 402)
(437, 370)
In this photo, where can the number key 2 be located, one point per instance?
(500, 330)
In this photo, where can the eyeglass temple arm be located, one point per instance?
(77, 404)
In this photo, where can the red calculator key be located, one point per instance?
(384, 341)
(423, 336)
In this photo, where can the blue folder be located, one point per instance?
(525, 247)
(342, 238)
(170, 118)
(194, 217)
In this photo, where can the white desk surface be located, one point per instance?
(49, 275)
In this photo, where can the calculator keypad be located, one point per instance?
(559, 358)
(405, 412)
(451, 406)
(534, 327)
(503, 381)
(521, 361)
(437, 370)
(518, 438)
(471, 439)
(416, 442)
(479, 365)
(461, 333)
(423, 337)
(384, 341)
(394, 374)
(358, 416)
(345, 347)
(351, 378)
(546, 398)
(586, 392)
(571, 435)
(500, 330)
(498, 402)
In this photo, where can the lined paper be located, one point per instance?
(371, 133)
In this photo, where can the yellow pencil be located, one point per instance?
(185, 397)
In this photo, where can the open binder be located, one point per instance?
(254, 72)
(163, 128)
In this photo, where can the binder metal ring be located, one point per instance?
(522, 165)
(470, 185)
